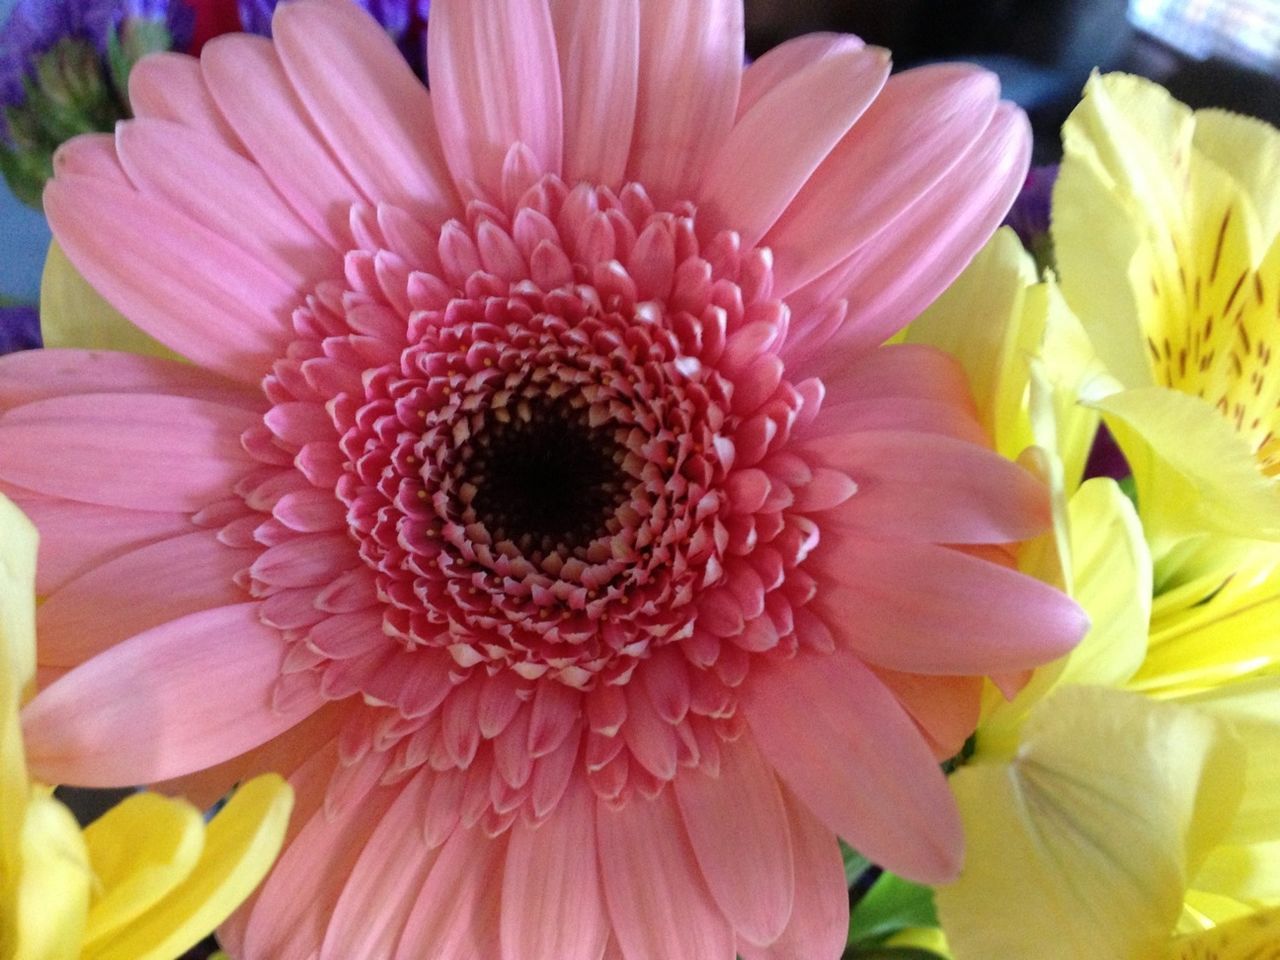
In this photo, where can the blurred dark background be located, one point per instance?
(1209, 53)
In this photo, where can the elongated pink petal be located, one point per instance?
(910, 414)
(919, 126)
(788, 59)
(945, 708)
(41, 374)
(552, 905)
(383, 885)
(599, 46)
(194, 291)
(747, 187)
(499, 85)
(293, 907)
(185, 695)
(246, 78)
(690, 70)
(226, 193)
(852, 755)
(927, 488)
(675, 919)
(375, 115)
(137, 451)
(92, 155)
(980, 618)
(77, 537)
(170, 86)
(753, 883)
(114, 601)
(904, 269)
(902, 371)
(820, 917)
(468, 878)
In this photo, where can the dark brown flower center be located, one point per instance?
(544, 478)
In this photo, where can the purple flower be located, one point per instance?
(1029, 215)
(64, 66)
(19, 329)
(404, 20)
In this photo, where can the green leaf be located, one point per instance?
(891, 905)
(855, 864)
(889, 953)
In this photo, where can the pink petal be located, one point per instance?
(690, 69)
(675, 919)
(497, 84)
(187, 694)
(246, 79)
(137, 591)
(226, 193)
(76, 537)
(749, 184)
(922, 608)
(820, 918)
(41, 374)
(552, 905)
(457, 913)
(911, 414)
(92, 155)
(192, 290)
(928, 488)
(169, 86)
(787, 59)
(919, 126)
(901, 271)
(383, 885)
(375, 115)
(296, 901)
(599, 49)
(752, 882)
(946, 709)
(852, 755)
(901, 371)
(138, 451)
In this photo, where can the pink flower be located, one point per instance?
(538, 497)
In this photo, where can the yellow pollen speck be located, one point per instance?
(422, 494)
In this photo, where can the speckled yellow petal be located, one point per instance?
(1193, 474)
(1255, 937)
(53, 888)
(140, 850)
(73, 314)
(1249, 151)
(1082, 844)
(1233, 633)
(241, 844)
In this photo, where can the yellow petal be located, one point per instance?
(1194, 476)
(242, 843)
(17, 595)
(1252, 709)
(978, 320)
(1111, 573)
(1082, 844)
(52, 892)
(73, 314)
(1250, 938)
(1232, 634)
(1249, 151)
(930, 939)
(1250, 871)
(140, 850)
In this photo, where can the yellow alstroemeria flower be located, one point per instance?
(147, 880)
(1090, 811)
(1166, 224)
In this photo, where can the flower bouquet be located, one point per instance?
(621, 505)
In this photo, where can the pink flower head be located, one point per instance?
(538, 496)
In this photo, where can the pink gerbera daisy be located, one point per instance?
(538, 496)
